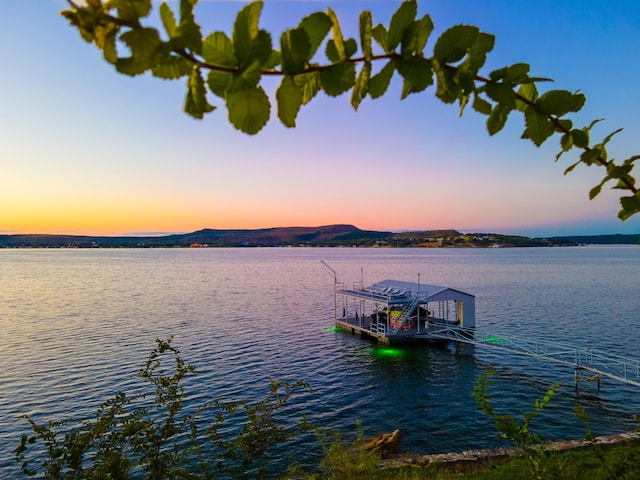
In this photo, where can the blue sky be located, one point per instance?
(87, 150)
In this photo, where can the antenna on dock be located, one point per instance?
(335, 275)
(335, 289)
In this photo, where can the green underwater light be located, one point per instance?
(494, 339)
(388, 352)
(335, 328)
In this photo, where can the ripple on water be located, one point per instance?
(77, 325)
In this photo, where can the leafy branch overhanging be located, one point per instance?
(236, 65)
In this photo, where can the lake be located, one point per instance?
(77, 325)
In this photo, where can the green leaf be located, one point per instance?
(361, 86)
(186, 10)
(619, 171)
(454, 43)
(381, 36)
(218, 50)
(465, 80)
(338, 42)
(400, 21)
(379, 83)
(219, 82)
(245, 30)
(501, 93)
(566, 142)
(310, 85)
(580, 138)
(332, 52)
(248, 79)
(417, 73)
(564, 125)
(480, 105)
(262, 47)
(168, 19)
(416, 36)
(497, 119)
(464, 100)
(528, 91)
(630, 206)
(350, 46)
(560, 102)
(188, 36)
(610, 136)
(296, 50)
(143, 43)
(482, 45)
(337, 79)
(518, 72)
(317, 26)
(538, 127)
(448, 89)
(171, 67)
(249, 110)
(132, 10)
(105, 38)
(366, 34)
(289, 98)
(196, 103)
(273, 61)
(590, 156)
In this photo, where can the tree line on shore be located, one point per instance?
(324, 236)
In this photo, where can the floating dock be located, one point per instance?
(396, 311)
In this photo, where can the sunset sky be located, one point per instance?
(85, 150)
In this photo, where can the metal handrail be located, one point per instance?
(610, 365)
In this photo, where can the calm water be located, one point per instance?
(76, 325)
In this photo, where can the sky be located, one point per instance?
(85, 150)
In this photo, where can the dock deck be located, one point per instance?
(366, 327)
(394, 311)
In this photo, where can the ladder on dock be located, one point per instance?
(582, 359)
(405, 313)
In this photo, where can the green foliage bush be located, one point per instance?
(512, 429)
(133, 437)
(156, 438)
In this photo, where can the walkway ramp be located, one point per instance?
(588, 359)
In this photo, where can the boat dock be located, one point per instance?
(394, 311)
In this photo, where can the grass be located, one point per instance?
(594, 462)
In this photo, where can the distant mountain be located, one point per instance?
(307, 236)
(617, 239)
(328, 235)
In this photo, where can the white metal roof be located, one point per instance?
(414, 289)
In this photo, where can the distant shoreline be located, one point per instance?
(323, 236)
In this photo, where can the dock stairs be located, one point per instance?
(406, 312)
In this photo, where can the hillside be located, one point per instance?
(330, 235)
(327, 236)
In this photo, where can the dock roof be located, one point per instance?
(412, 288)
(398, 292)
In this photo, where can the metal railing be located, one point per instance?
(378, 328)
(613, 366)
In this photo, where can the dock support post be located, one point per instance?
(581, 375)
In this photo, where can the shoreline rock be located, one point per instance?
(385, 443)
(459, 462)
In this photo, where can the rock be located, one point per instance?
(385, 443)
(472, 459)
